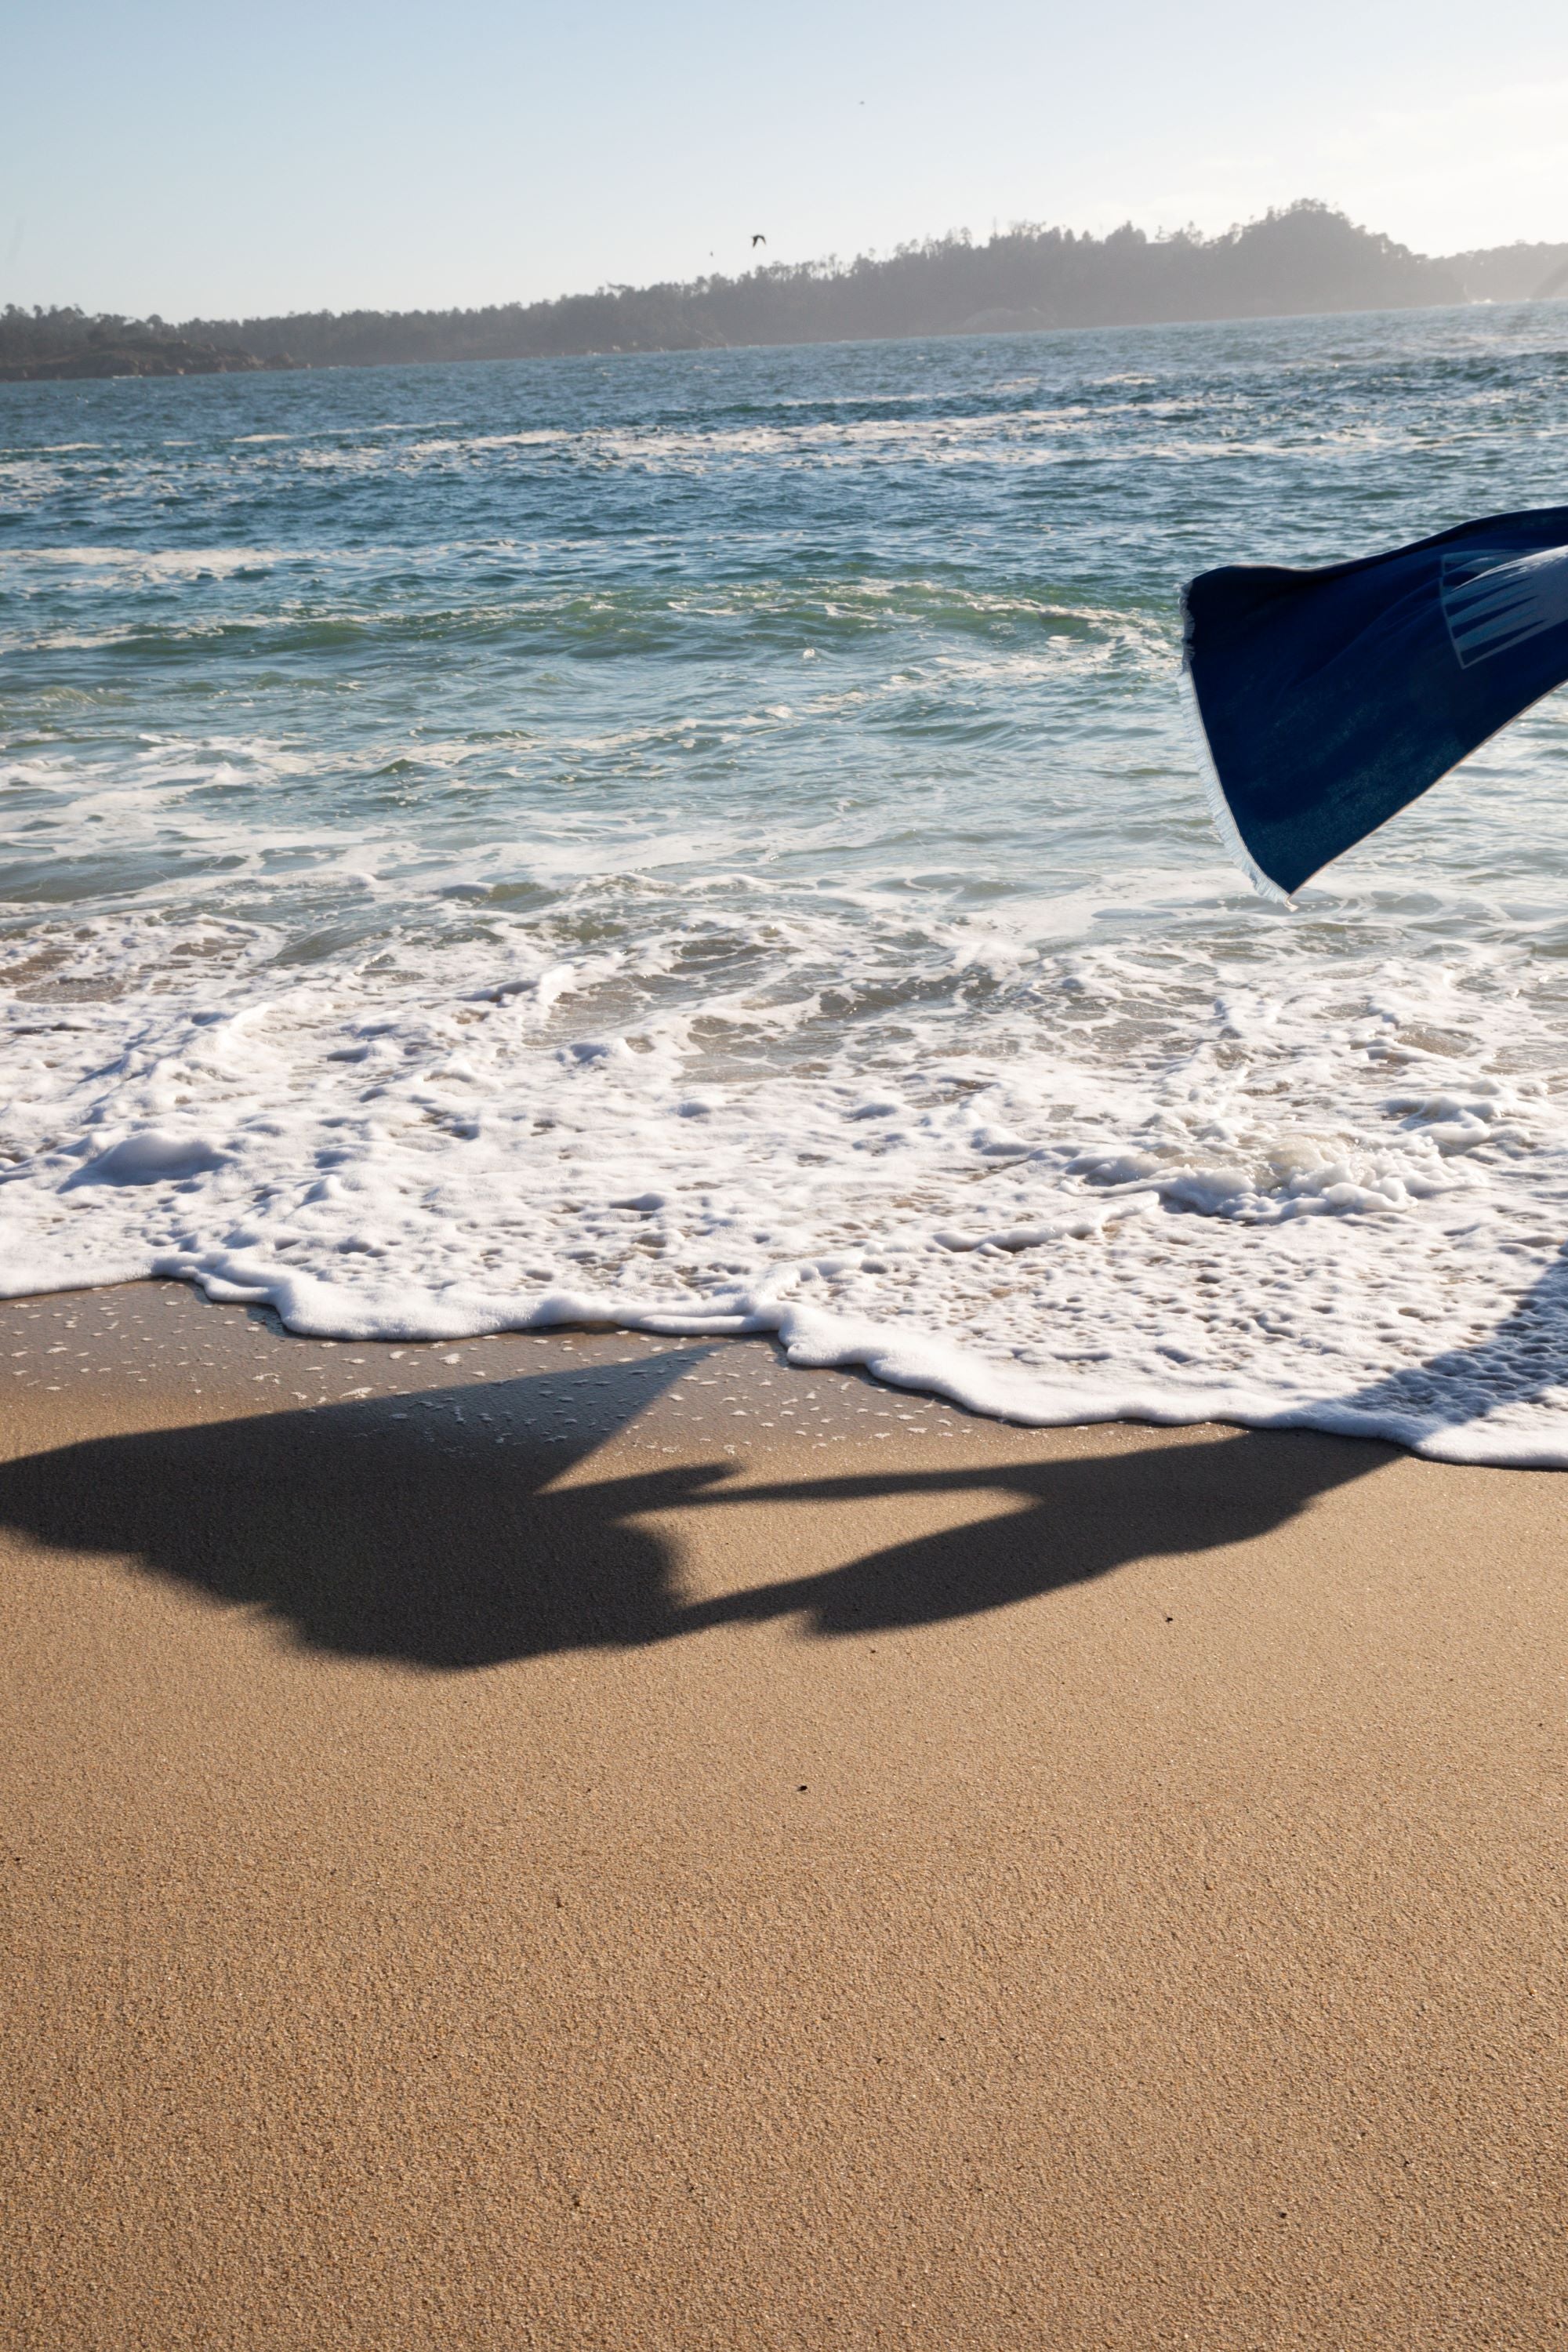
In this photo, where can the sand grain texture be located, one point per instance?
(689, 1854)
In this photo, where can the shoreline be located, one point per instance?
(609, 1841)
(1502, 1367)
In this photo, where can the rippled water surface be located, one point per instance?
(712, 839)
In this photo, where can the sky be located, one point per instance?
(214, 160)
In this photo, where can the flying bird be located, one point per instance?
(758, 239)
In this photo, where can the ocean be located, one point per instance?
(710, 843)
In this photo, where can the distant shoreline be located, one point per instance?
(242, 364)
(1306, 261)
(100, 362)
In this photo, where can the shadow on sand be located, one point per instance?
(343, 1527)
(339, 1526)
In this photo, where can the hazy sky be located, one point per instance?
(210, 158)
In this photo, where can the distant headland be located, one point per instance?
(1303, 259)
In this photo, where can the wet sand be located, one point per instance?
(591, 1842)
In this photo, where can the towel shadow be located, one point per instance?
(341, 1527)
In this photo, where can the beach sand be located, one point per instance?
(593, 1841)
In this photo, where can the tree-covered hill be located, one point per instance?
(1304, 260)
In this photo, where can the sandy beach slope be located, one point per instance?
(592, 1841)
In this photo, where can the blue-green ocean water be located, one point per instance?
(713, 838)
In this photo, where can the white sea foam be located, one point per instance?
(148, 563)
(1055, 1186)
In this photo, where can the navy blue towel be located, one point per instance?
(1330, 699)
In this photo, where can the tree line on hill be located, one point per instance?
(1301, 259)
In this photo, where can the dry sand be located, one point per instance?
(612, 1844)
